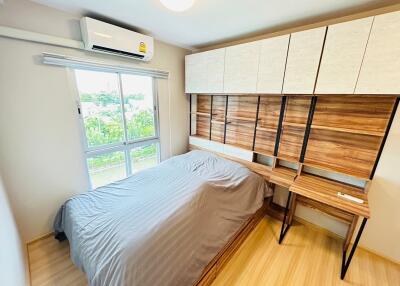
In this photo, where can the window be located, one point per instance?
(119, 122)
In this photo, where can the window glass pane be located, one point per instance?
(100, 107)
(139, 106)
(106, 168)
(144, 157)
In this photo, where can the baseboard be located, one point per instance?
(39, 238)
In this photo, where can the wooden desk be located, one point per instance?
(325, 191)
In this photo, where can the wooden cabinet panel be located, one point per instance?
(303, 60)
(343, 54)
(272, 63)
(241, 68)
(204, 72)
(380, 71)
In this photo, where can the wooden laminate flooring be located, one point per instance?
(307, 256)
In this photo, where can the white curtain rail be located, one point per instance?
(66, 61)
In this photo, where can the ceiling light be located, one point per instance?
(177, 5)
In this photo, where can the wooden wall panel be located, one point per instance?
(357, 114)
(351, 154)
(219, 108)
(268, 115)
(217, 131)
(203, 103)
(244, 107)
(291, 143)
(240, 133)
(265, 142)
(203, 126)
(297, 109)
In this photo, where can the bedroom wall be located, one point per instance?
(382, 232)
(12, 261)
(40, 151)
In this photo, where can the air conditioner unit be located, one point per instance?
(106, 38)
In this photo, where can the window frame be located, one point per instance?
(126, 145)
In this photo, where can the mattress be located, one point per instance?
(163, 225)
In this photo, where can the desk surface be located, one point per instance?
(325, 191)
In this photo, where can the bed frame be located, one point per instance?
(225, 254)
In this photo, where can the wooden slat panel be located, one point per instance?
(325, 191)
(242, 106)
(265, 142)
(203, 103)
(351, 154)
(219, 107)
(240, 134)
(203, 126)
(268, 116)
(297, 109)
(291, 143)
(283, 176)
(357, 114)
(217, 131)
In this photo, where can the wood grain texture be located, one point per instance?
(272, 63)
(265, 142)
(270, 108)
(303, 61)
(350, 154)
(307, 257)
(282, 176)
(240, 133)
(297, 109)
(354, 114)
(343, 54)
(379, 72)
(325, 191)
(242, 106)
(291, 143)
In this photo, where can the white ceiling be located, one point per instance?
(211, 21)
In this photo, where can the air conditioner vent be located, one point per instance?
(117, 52)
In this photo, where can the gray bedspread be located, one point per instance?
(163, 225)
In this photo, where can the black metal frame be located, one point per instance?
(211, 114)
(255, 124)
(346, 263)
(308, 127)
(226, 115)
(190, 114)
(280, 122)
(285, 226)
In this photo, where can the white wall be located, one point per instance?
(12, 261)
(40, 151)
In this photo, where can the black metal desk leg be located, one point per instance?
(285, 227)
(346, 264)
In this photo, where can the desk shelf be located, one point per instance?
(325, 191)
(283, 176)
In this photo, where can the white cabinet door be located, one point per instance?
(343, 54)
(204, 72)
(380, 71)
(241, 68)
(303, 60)
(272, 63)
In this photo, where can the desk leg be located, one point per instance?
(346, 264)
(285, 227)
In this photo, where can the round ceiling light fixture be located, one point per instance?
(177, 5)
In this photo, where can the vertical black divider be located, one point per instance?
(255, 124)
(190, 114)
(280, 122)
(308, 128)
(211, 113)
(225, 119)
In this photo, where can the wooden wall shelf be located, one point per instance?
(347, 130)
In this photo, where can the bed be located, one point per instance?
(163, 225)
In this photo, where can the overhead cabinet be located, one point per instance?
(342, 57)
(272, 63)
(204, 72)
(303, 60)
(380, 71)
(241, 68)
